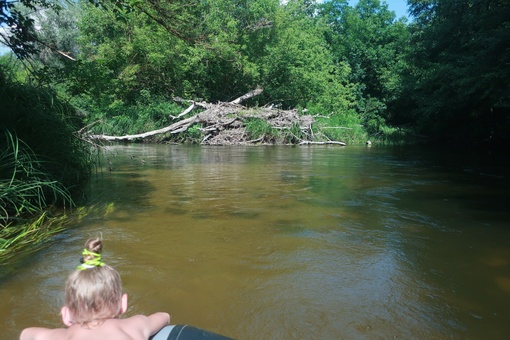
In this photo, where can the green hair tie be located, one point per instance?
(92, 263)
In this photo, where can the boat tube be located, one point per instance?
(186, 332)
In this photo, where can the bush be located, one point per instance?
(149, 112)
(42, 160)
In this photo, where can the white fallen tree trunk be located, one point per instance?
(174, 128)
(307, 142)
(179, 126)
(249, 95)
(225, 123)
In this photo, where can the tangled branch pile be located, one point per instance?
(225, 123)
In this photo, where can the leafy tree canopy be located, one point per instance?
(461, 60)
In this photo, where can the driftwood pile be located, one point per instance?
(224, 123)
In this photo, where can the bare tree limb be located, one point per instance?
(66, 55)
(185, 112)
(248, 95)
(307, 142)
(224, 123)
(176, 126)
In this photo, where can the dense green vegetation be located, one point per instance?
(456, 86)
(42, 162)
(441, 74)
(115, 67)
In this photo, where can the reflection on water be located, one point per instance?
(291, 243)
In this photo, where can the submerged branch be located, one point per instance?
(307, 142)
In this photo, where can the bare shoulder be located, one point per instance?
(39, 333)
(148, 325)
(136, 319)
(159, 317)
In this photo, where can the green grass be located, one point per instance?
(393, 136)
(148, 112)
(345, 128)
(43, 162)
(258, 128)
(25, 189)
(28, 235)
(351, 129)
(19, 240)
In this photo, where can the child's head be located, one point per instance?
(94, 290)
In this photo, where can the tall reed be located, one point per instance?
(42, 161)
(24, 188)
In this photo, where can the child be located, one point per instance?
(93, 304)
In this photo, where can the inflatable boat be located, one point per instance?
(186, 332)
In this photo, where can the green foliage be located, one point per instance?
(293, 136)
(331, 58)
(42, 160)
(395, 136)
(374, 44)
(240, 47)
(372, 115)
(458, 87)
(20, 33)
(19, 239)
(258, 128)
(341, 127)
(252, 43)
(31, 234)
(109, 67)
(193, 135)
(297, 68)
(12, 68)
(119, 58)
(25, 187)
(148, 113)
(56, 34)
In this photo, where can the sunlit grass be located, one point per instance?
(19, 239)
(258, 128)
(15, 237)
(42, 162)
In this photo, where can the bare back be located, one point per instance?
(138, 327)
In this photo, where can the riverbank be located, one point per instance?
(230, 123)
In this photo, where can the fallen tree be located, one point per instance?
(225, 123)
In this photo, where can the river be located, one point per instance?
(282, 242)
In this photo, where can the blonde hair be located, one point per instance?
(93, 294)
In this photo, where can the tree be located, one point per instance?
(20, 34)
(373, 43)
(298, 69)
(461, 60)
(130, 53)
(237, 47)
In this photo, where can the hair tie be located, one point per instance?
(94, 262)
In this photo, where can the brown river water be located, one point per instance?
(284, 242)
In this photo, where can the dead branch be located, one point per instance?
(249, 95)
(66, 55)
(224, 123)
(174, 127)
(307, 142)
(185, 112)
(337, 127)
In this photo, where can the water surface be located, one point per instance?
(291, 242)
